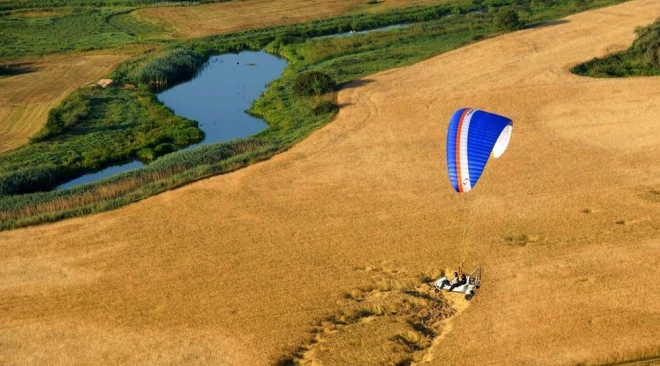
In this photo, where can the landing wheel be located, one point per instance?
(468, 297)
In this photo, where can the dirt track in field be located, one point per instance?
(26, 98)
(237, 269)
(199, 21)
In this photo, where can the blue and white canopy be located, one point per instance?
(472, 137)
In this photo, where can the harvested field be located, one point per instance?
(229, 17)
(241, 269)
(40, 85)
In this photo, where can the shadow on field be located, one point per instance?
(355, 84)
(392, 321)
(17, 69)
(549, 23)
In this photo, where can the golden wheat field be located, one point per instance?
(232, 16)
(25, 99)
(318, 254)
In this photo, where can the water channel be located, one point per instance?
(355, 33)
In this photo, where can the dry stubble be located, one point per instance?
(238, 268)
(199, 21)
(26, 98)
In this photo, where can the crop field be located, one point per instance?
(323, 254)
(39, 85)
(234, 16)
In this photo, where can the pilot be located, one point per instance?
(457, 281)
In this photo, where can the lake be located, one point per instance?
(217, 99)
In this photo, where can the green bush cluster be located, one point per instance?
(165, 173)
(31, 179)
(325, 107)
(313, 83)
(507, 19)
(641, 59)
(647, 44)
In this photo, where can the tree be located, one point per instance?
(313, 83)
(647, 44)
(507, 20)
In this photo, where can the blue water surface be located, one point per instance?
(217, 99)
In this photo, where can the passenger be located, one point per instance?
(446, 282)
(457, 281)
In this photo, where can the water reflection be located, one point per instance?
(102, 174)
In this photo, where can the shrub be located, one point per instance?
(648, 44)
(65, 116)
(313, 83)
(324, 108)
(171, 67)
(164, 148)
(146, 154)
(28, 180)
(507, 20)
(642, 58)
(652, 56)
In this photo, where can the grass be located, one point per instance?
(48, 6)
(121, 114)
(82, 29)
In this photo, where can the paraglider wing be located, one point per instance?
(472, 137)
